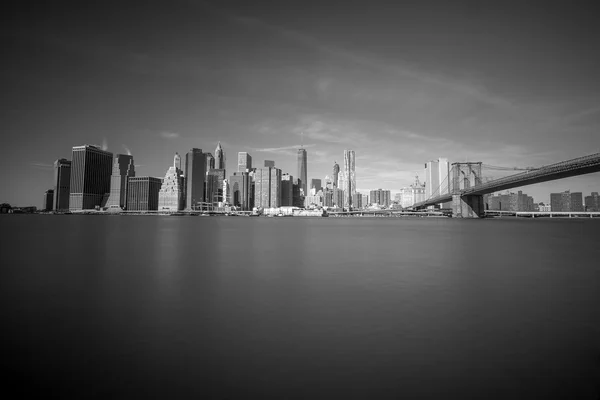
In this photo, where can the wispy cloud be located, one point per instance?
(169, 135)
(127, 150)
(41, 165)
(285, 150)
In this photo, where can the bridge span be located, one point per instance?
(465, 188)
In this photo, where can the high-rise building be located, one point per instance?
(328, 197)
(338, 197)
(357, 200)
(62, 184)
(48, 200)
(566, 201)
(336, 174)
(592, 202)
(267, 188)
(415, 193)
(171, 196)
(244, 162)
(195, 175)
(220, 161)
(240, 185)
(214, 187)
(509, 202)
(302, 173)
(437, 180)
(365, 200)
(298, 197)
(210, 161)
(381, 197)
(287, 190)
(269, 164)
(122, 169)
(314, 200)
(143, 193)
(349, 177)
(316, 185)
(91, 169)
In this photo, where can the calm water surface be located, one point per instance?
(217, 307)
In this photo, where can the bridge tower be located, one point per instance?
(465, 176)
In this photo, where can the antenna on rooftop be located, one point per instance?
(302, 139)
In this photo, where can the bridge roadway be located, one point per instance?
(472, 195)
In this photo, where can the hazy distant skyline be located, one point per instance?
(505, 83)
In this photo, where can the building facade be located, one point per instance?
(267, 188)
(566, 201)
(347, 181)
(47, 204)
(437, 180)
(62, 184)
(302, 171)
(244, 162)
(316, 185)
(269, 164)
(214, 194)
(336, 174)
(220, 161)
(509, 202)
(240, 185)
(142, 193)
(287, 190)
(210, 161)
(123, 168)
(91, 169)
(171, 196)
(592, 202)
(415, 193)
(195, 176)
(381, 197)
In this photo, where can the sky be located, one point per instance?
(506, 83)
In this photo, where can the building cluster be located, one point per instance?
(510, 202)
(95, 179)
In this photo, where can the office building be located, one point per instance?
(302, 173)
(566, 201)
(171, 196)
(415, 193)
(122, 169)
(509, 202)
(210, 162)
(328, 197)
(357, 201)
(592, 202)
(240, 184)
(244, 162)
(365, 200)
(313, 201)
(316, 185)
(62, 184)
(91, 168)
(347, 181)
(269, 164)
(48, 200)
(338, 197)
(287, 190)
(220, 162)
(267, 188)
(214, 187)
(142, 193)
(195, 176)
(336, 174)
(437, 181)
(381, 197)
(298, 198)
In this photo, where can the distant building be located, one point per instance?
(287, 190)
(315, 200)
(298, 197)
(122, 169)
(592, 202)
(510, 202)
(142, 193)
(48, 200)
(220, 161)
(566, 201)
(336, 174)
(357, 201)
(267, 187)
(339, 197)
(544, 207)
(244, 162)
(316, 185)
(381, 197)
(171, 196)
(269, 164)
(365, 200)
(62, 184)
(437, 181)
(210, 161)
(195, 175)
(302, 173)
(214, 187)
(5, 208)
(347, 180)
(413, 194)
(328, 197)
(91, 169)
(240, 185)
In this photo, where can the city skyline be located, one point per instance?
(402, 87)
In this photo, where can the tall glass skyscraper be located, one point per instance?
(91, 169)
(244, 162)
(123, 168)
(336, 174)
(302, 170)
(195, 175)
(349, 177)
(62, 184)
(219, 157)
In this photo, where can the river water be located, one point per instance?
(234, 307)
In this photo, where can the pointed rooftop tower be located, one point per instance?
(219, 157)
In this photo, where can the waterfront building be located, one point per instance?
(302, 173)
(592, 202)
(365, 200)
(287, 190)
(566, 201)
(437, 181)
(336, 174)
(298, 197)
(91, 168)
(171, 196)
(244, 162)
(195, 176)
(338, 197)
(210, 161)
(415, 193)
(269, 164)
(381, 197)
(357, 201)
(240, 184)
(509, 202)
(220, 162)
(122, 169)
(267, 187)
(214, 187)
(143, 193)
(315, 200)
(48, 200)
(62, 184)
(328, 197)
(347, 179)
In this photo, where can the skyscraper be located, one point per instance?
(220, 157)
(195, 175)
(143, 193)
(123, 168)
(302, 177)
(91, 169)
(214, 186)
(171, 195)
(336, 173)
(381, 197)
(62, 184)
(592, 202)
(267, 188)
(48, 200)
(349, 177)
(244, 162)
(437, 181)
(316, 185)
(269, 164)
(210, 161)
(240, 186)
(287, 190)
